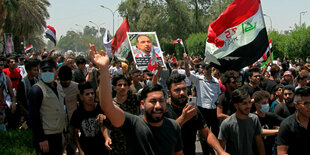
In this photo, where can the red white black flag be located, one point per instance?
(238, 37)
(120, 44)
(50, 33)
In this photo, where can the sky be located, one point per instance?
(68, 15)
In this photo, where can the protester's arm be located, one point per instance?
(282, 149)
(157, 75)
(186, 59)
(212, 140)
(108, 140)
(114, 114)
(11, 93)
(219, 113)
(187, 114)
(269, 132)
(76, 140)
(260, 144)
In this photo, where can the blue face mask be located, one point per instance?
(278, 75)
(47, 77)
(148, 82)
(264, 108)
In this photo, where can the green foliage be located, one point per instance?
(195, 43)
(15, 142)
(293, 43)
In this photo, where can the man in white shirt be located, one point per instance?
(208, 90)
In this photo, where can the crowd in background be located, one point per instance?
(271, 89)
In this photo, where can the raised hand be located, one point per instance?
(101, 60)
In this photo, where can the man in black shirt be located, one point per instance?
(287, 108)
(79, 76)
(254, 81)
(151, 133)
(188, 116)
(270, 122)
(294, 134)
(225, 107)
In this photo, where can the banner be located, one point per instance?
(144, 48)
(9, 44)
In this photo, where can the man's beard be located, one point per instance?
(289, 100)
(177, 101)
(151, 119)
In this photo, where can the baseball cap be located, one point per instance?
(47, 63)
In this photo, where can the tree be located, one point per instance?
(25, 19)
(195, 43)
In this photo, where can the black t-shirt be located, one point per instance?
(269, 122)
(145, 139)
(283, 110)
(189, 129)
(224, 100)
(294, 135)
(269, 85)
(91, 136)
(250, 89)
(79, 76)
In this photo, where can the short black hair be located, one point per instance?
(134, 71)
(65, 73)
(239, 95)
(118, 77)
(80, 60)
(206, 66)
(227, 75)
(289, 87)
(151, 88)
(252, 70)
(259, 95)
(83, 86)
(303, 91)
(11, 57)
(175, 78)
(276, 87)
(30, 63)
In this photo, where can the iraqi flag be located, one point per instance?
(50, 33)
(28, 48)
(120, 44)
(266, 54)
(238, 37)
(179, 40)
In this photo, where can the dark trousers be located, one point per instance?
(213, 124)
(54, 144)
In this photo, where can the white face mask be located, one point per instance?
(48, 77)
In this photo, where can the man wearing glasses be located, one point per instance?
(294, 133)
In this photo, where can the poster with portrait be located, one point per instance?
(8, 41)
(144, 48)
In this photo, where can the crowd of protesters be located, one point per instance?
(95, 104)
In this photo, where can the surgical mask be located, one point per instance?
(279, 75)
(264, 108)
(47, 77)
(148, 82)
